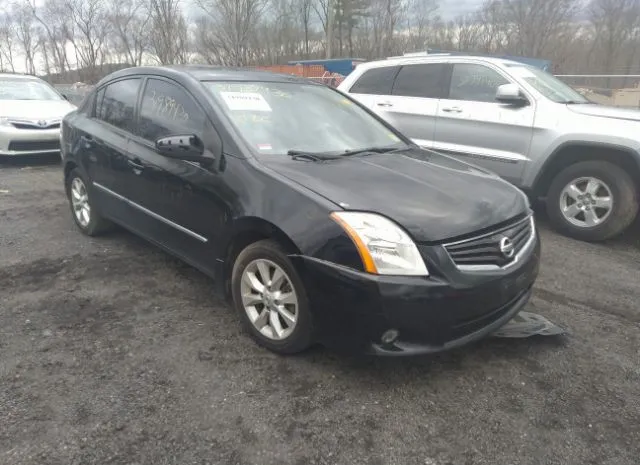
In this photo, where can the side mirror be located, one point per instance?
(184, 147)
(511, 93)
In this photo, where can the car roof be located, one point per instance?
(436, 57)
(210, 73)
(26, 77)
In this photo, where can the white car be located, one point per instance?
(30, 114)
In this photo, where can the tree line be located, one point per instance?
(54, 37)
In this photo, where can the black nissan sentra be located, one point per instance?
(322, 222)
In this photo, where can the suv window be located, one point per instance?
(475, 83)
(119, 103)
(376, 81)
(168, 110)
(424, 80)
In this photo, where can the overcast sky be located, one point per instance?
(452, 8)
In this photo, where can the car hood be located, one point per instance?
(35, 109)
(434, 197)
(604, 111)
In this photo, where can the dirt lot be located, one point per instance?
(112, 352)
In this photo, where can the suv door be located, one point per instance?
(413, 104)
(180, 200)
(372, 85)
(104, 139)
(407, 96)
(474, 126)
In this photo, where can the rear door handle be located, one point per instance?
(452, 110)
(87, 141)
(385, 104)
(135, 165)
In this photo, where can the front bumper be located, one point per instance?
(451, 308)
(17, 142)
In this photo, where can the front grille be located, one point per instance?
(35, 126)
(34, 145)
(495, 249)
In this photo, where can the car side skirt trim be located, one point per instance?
(152, 214)
(482, 153)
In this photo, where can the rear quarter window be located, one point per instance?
(376, 81)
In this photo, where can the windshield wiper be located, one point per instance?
(574, 102)
(349, 153)
(313, 156)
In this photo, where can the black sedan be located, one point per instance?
(321, 221)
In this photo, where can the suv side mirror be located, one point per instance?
(183, 146)
(511, 93)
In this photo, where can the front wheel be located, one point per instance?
(592, 201)
(270, 298)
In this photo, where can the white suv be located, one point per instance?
(583, 159)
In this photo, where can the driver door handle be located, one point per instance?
(385, 104)
(88, 141)
(134, 165)
(452, 110)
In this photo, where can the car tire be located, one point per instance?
(262, 312)
(83, 209)
(612, 182)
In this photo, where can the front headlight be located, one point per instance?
(384, 247)
(4, 121)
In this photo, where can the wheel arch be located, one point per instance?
(246, 231)
(69, 166)
(574, 152)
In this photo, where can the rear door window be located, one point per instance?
(376, 81)
(168, 109)
(119, 103)
(421, 80)
(475, 83)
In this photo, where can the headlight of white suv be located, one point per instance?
(4, 121)
(384, 247)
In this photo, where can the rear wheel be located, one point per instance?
(270, 298)
(82, 208)
(592, 201)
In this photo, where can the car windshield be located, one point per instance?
(26, 89)
(282, 117)
(548, 85)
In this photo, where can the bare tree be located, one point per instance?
(169, 34)
(615, 24)
(304, 13)
(7, 43)
(88, 34)
(55, 22)
(25, 32)
(233, 27)
(532, 26)
(494, 27)
(422, 16)
(130, 21)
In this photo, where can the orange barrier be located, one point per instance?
(315, 72)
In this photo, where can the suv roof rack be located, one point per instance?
(416, 55)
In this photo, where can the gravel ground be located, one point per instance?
(112, 352)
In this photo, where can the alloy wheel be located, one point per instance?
(269, 299)
(80, 202)
(586, 202)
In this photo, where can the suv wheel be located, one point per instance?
(84, 213)
(592, 200)
(271, 299)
